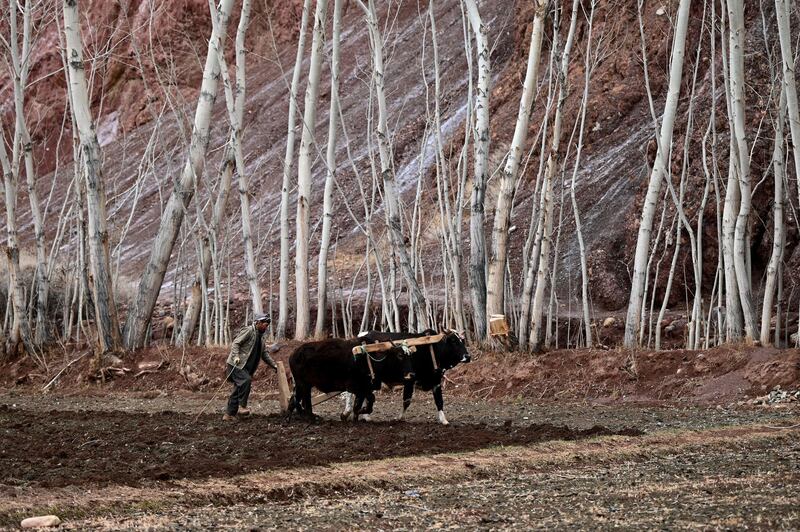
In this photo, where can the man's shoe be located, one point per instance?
(244, 411)
(228, 417)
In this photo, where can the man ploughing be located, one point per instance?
(246, 351)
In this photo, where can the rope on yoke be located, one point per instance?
(369, 361)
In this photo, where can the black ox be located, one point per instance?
(330, 366)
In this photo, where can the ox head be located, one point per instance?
(455, 348)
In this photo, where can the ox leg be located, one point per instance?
(365, 413)
(348, 406)
(304, 396)
(439, 400)
(408, 393)
(359, 402)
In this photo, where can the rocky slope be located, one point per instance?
(147, 70)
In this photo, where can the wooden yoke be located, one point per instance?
(410, 342)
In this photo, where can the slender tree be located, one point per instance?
(304, 162)
(587, 72)
(553, 162)
(657, 175)
(234, 98)
(477, 257)
(103, 292)
(390, 194)
(141, 308)
(505, 197)
(741, 163)
(283, 291)
(20, 328)
(327, 214)
(192, 313)
(20, 66)
(776, 257)
(782, 11)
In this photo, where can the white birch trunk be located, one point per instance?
(20, 328)
(235, 103)
(304, 161)
(733, 306)
(779, 174)
(587, 66)
(742, 166)
(668, 288)
(283, 291)
(449, 221)
(141, 308)
(656, 177)
(192, 313)
(782, 11)
(505, 198)
(477, 262)
(390, 195)
(553, 160)
(20, 67)
(103, 292)
(330, 156)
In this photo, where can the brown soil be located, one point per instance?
(52, 449)
(155, 469)
(719, 375)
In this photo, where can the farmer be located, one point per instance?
(246, 350)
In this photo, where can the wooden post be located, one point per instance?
(283, 387)
(317, 399)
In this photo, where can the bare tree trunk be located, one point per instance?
(390, 195)
(103, 292)
(779, 174)
(235, 104)
(451, 227)
(668, 288)
(304, 160)
(141, 308)
(477, 262)
(742, 165)
(505, 197)
(20, 328)
(553, 159)
(244, 188)
(327, 215)
(733, 306)
(588, 67)
(782, 11)
(659, 171)
(283, 291)
(20, 66)
(192, 313)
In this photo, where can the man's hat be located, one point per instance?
(262, 317)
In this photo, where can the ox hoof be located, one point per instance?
(344, 416)
(364, 417)
(442, 419)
